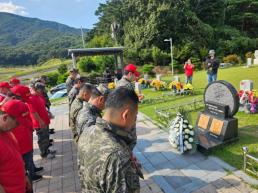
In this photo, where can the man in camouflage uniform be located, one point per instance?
(75, 90)
(104, 155)
(130, 74)
(83, 96)
(88, 114)
(74, 73)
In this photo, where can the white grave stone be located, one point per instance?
(138, 88)
(158, 77)
(177, 78)
(246, 85)
(249, 62)
(256, 57)
(145, 76)
(115, 81)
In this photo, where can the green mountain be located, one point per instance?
(28, 41)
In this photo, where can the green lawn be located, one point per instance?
(7, 72)
(248, 124)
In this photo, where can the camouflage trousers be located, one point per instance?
(43, 140)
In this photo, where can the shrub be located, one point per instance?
(62, 78)
(52, 78)
(148, 69)
(249, 55)
(197, 63)
(86, 64)
(62, 69)
(232, 58)
(94, 74)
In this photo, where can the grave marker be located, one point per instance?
(216, 125)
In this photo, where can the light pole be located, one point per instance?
(171, 52)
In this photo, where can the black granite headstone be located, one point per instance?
(216, 125)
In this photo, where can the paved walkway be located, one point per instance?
(164, 169)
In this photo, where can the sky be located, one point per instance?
(74, 13)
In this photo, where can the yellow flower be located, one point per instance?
(175, 84)
(157, 84)
(188, 86)
(111, 85)
(142, 81)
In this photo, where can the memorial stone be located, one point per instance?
(145, 76)
(177, 78)
(246, 85)
(216, 125)
(158, 77)
(249, 62)
(256, 57)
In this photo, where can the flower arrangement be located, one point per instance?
(175, 86)
(181, 134)
(158, 85)
(249, 99)
(111, 85)
(142, 81)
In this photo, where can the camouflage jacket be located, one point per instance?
(75, 108)
(72, 95)
(104, 160)
(126, 83)
(86, 117)
(69, 83)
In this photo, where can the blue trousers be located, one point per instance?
(212, 78)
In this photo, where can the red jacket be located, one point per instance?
(12, 172)
(189, 70)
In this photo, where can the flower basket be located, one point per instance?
(181, 134)
(158, 85)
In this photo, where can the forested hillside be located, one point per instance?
(228, 26)
(30, 41)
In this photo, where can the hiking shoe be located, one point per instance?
(52, 151)
(37, 178)
(38, 170)
(52, 129)
(51, 140)
(51, 156)
(51, 132)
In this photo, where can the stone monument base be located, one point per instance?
(213, 131)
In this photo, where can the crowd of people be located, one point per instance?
(23, 110)
(103, 123)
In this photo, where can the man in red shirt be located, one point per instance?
(40, 121)
(14, 81)
(189, 67)
(24, 135)
(5, 88)
(12, 172)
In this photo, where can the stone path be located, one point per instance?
(164, 169)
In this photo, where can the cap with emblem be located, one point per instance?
(21, 91)
(4, 85)
(16, 109)
(15, 81)
(132, 68)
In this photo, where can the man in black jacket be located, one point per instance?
(212, 65)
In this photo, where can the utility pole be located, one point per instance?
(83, 43)
(171, 53)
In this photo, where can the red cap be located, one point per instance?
(16, 109)
(132, 68)
(21, 90)
(15, 81)
(4, 85)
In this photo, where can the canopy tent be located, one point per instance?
(116, 51)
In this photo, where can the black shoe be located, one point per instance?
(51, 140)
(51, 132)
(38, 170)
(50, 144)
(52, 129)
(37, 178)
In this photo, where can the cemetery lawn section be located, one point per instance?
(248, 123)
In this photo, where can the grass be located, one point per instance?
(7, 72)
(248, 124)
